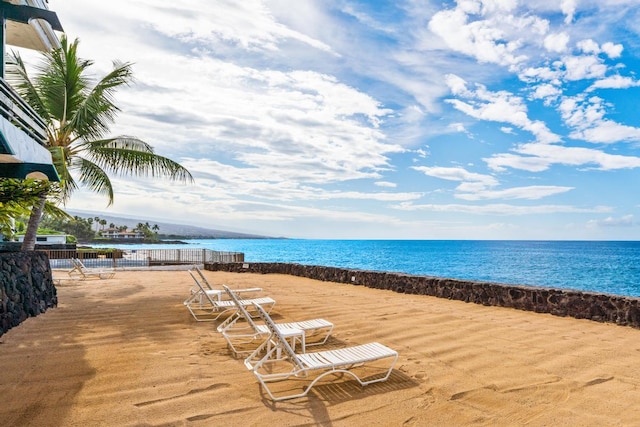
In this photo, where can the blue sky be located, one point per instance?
(469, 119)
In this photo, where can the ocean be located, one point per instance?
(595, 266)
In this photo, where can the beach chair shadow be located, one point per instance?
(333, 391)
(285, 374)
(208, 305)
(241, 332)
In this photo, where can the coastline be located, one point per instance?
(601, 267)
(125, 351)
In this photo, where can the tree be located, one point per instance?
(76, 226)
(18, 196)
(78, 116)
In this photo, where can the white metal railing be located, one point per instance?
(117, 258)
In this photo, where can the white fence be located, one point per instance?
(61, 258)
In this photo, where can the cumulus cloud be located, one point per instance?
(472, 28)
(586, 116)
(612, 50)
(583, 67)
(588, 46)
(547, 92)
(556, 42)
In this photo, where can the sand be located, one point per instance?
(126, 352)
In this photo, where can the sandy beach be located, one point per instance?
(126, 352)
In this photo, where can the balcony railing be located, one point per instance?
(20, 114)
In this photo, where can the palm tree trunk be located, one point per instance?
(29, 242)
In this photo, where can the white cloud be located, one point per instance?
(464, 30)
(533, 192)
(249, 23)
(547, 74)
(547, 92)
(457, 85)
(457, 174)
(625, 221)
(569, 9)
(588, 46)
(556, 42)
(536, 157)
(422, 153)
(583, 67)
(587, 119)
(226, 181)
(508, 130)
(500, 106)
(612, 50)
(476, 186)
(501, 209)
(614, 82)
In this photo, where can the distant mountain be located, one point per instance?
(169, 229)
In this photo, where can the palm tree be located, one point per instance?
(78, 115)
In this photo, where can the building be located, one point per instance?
(23, 153)
(48, 239)
(114, 233)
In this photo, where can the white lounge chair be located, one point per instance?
(82, 272)
(321, 363)
(243, 334)
(201, 283)
(207, 305)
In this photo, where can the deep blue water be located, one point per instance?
(598, 266)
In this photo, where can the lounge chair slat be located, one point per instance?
(326, 362)
(207, 305)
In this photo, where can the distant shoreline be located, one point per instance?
(132, 242)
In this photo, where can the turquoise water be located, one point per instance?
(608, 267)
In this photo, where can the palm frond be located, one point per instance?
(62, 82)
(94, 177)
(123, 142)
(131, 156)
(18, 77)
(54, 211)
(123, 161)
(98, 110)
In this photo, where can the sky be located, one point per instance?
(345, 119)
